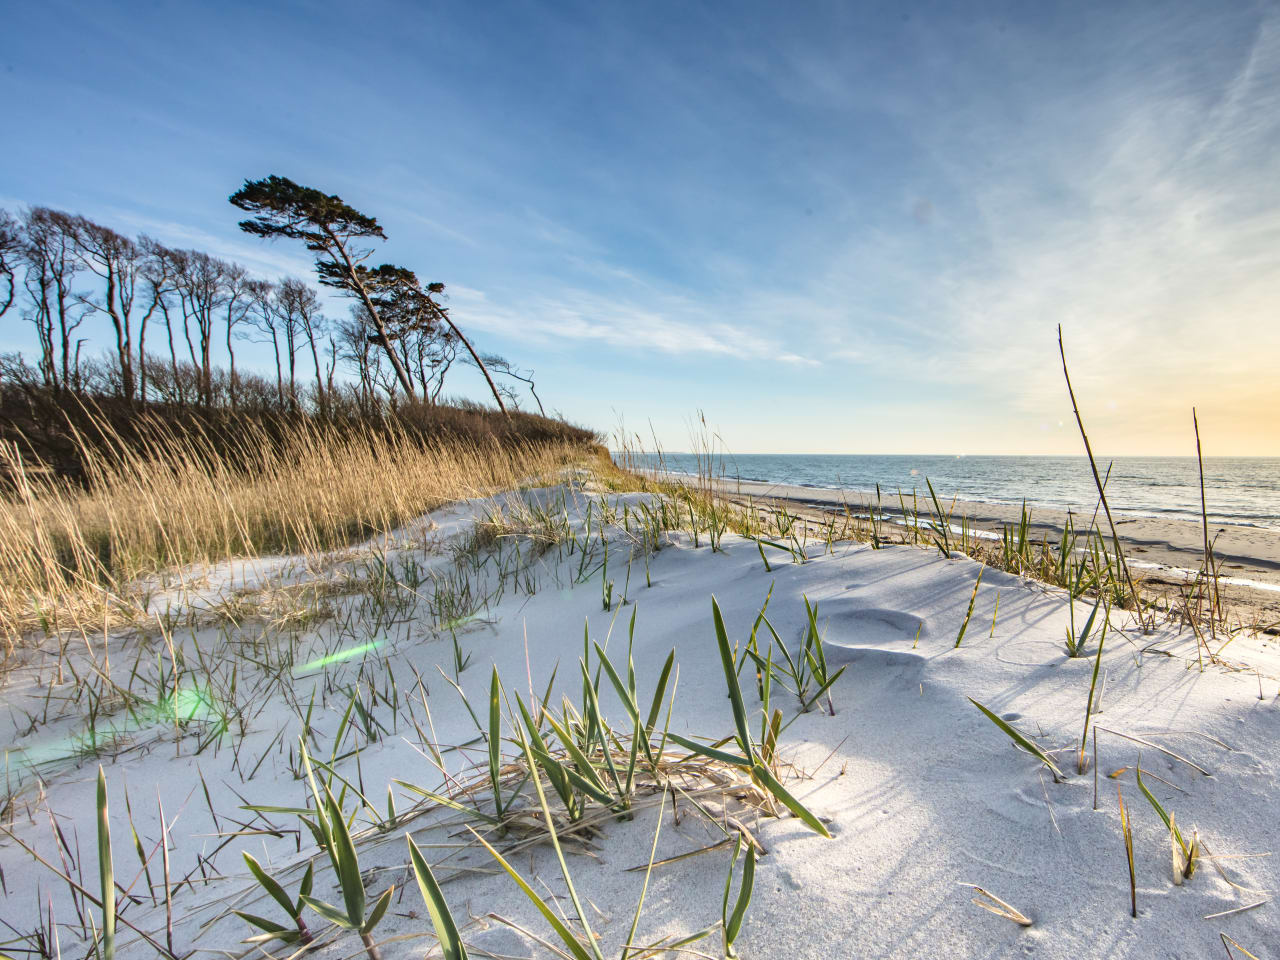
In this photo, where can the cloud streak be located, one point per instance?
(667, 326)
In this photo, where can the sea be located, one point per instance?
(1238, 490)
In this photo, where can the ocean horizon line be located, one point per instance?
(1100, 457)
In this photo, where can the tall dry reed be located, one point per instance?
(71, 555)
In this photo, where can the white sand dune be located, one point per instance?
(921, 791)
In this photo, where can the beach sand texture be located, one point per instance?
(920, 791)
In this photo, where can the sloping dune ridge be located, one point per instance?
(920, 791)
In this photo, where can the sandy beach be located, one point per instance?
(920, 792)
(1164, 553)
(374, 584)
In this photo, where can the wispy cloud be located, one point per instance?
(263, 258)
(668, 326)
(1155, 244)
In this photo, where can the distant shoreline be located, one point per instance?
(1102, 458)
(1161, 550)
(1242, 492)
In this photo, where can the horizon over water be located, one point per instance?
(1242, 491)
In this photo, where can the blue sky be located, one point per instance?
(832, 227)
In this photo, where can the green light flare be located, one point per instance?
(337, 657)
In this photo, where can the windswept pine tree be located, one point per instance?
(394, 301)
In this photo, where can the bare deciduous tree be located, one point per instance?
(48, 252)
(354, 349)
(239, 289)
(300, 307)
(58, 270)
(503, 366)
(118, 262)
(201, 283)
(157, 275)
(264, 317)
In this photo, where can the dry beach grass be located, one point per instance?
(74, 555)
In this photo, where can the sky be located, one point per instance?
(826, 228)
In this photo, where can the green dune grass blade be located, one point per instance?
(1162, 813)
(495, 742)
(267, 808)
(580, 759)
(465, 702)
(564, 867)
(1088, 707)
(570, 941)
(752, 649)
(268, 883)
(633, 755)
(448, 802)
(765, 776)
(821, 690)
(1021, 740)
(321, 822)
(625, 695)
(733, 924)
(731, 677)
(347, 867)
(660, 692)
(330, 913)
(347, 786)
(274, 931)
(973, 597)
(644, 889)
(602, 732)
(555, 773)
(724, 902)
(1075, 646)
(566, 936)
(666, 945)
(597, 793)
(942, 525)
(712, 752)
(106, 872)
(378, 910)
(1088, 624)
(441, 917)
(814, 651)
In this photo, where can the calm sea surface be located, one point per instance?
(1239, 490)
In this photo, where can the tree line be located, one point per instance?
(166, 313)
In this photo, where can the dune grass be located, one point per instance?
(1083, 560)
(597, 772)
(71, 555)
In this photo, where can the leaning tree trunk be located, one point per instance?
(142, 360)
(479, 363)
(536, 397)
(401, 374)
